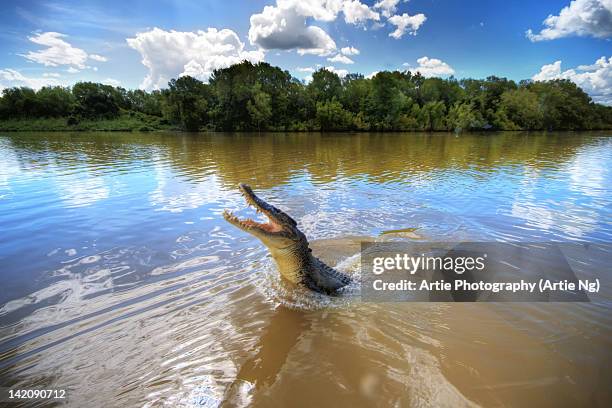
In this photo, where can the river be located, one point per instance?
(122, 283)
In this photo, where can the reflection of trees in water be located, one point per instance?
(267, 160)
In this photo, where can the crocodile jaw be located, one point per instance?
(288, 246)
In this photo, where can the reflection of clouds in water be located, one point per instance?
(78, 279)
(76, 186)
(524, 206)
(550, 210)
(81, 189)
(588, 172)
(176, 195)
(9, 168)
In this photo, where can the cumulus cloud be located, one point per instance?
(356, 12)
(98, 58)
(549, 71)
(387, 7)
(582, 18)
(111, 81)
(405, 23)
(594, 79)
(72, 70)
(287, 25)
(372, 74)
(58, 51)
(322, 10)
(169, 54)
(340, 72)
(430, 67)
(284, 29)
(305, 69)
(349, 51)
(342, 59)
(10, 77)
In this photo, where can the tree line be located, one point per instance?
(247, 97)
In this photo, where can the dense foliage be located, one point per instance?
(262, 97)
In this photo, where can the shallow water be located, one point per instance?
(122, 283)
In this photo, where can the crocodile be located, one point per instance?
(288, 246)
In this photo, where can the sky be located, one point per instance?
(144, 44)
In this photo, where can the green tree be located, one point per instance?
(234, 87)
(356, 91)
(55, 101)
(463, 116)
(332, 116)
(249, 96)
(259, 107)
(520, 109)
(564, 105)
(432, 116)
(387, 101)
(95, 100)
(19, 103)
(325, 86)
(187, 102)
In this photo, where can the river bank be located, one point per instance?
(137, 122)
(128, 122)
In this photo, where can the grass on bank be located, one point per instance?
(126, 122)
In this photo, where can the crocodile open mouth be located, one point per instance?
(272, 226)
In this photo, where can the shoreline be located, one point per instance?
(138, 126)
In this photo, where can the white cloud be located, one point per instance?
(372, 74)
(356, 12)
(595, 79)
(10, 77)
(387, 7)
(305, 69)
(98, 58)
(582, 18)
(285, 28)
(111, 82)
(169, 54)
(547, 72)
(58, 51)
(72, 70)
(377, 25)
(51, 75)
(349, 51)
(340, 72)
(429, 67)
(322, 10)
(342, 59)
(287, 25)
(405, 23)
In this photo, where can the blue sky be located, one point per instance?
(63, 41)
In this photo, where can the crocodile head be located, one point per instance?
(286, 243)
(288, 246)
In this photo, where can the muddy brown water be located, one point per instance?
(122, 284)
